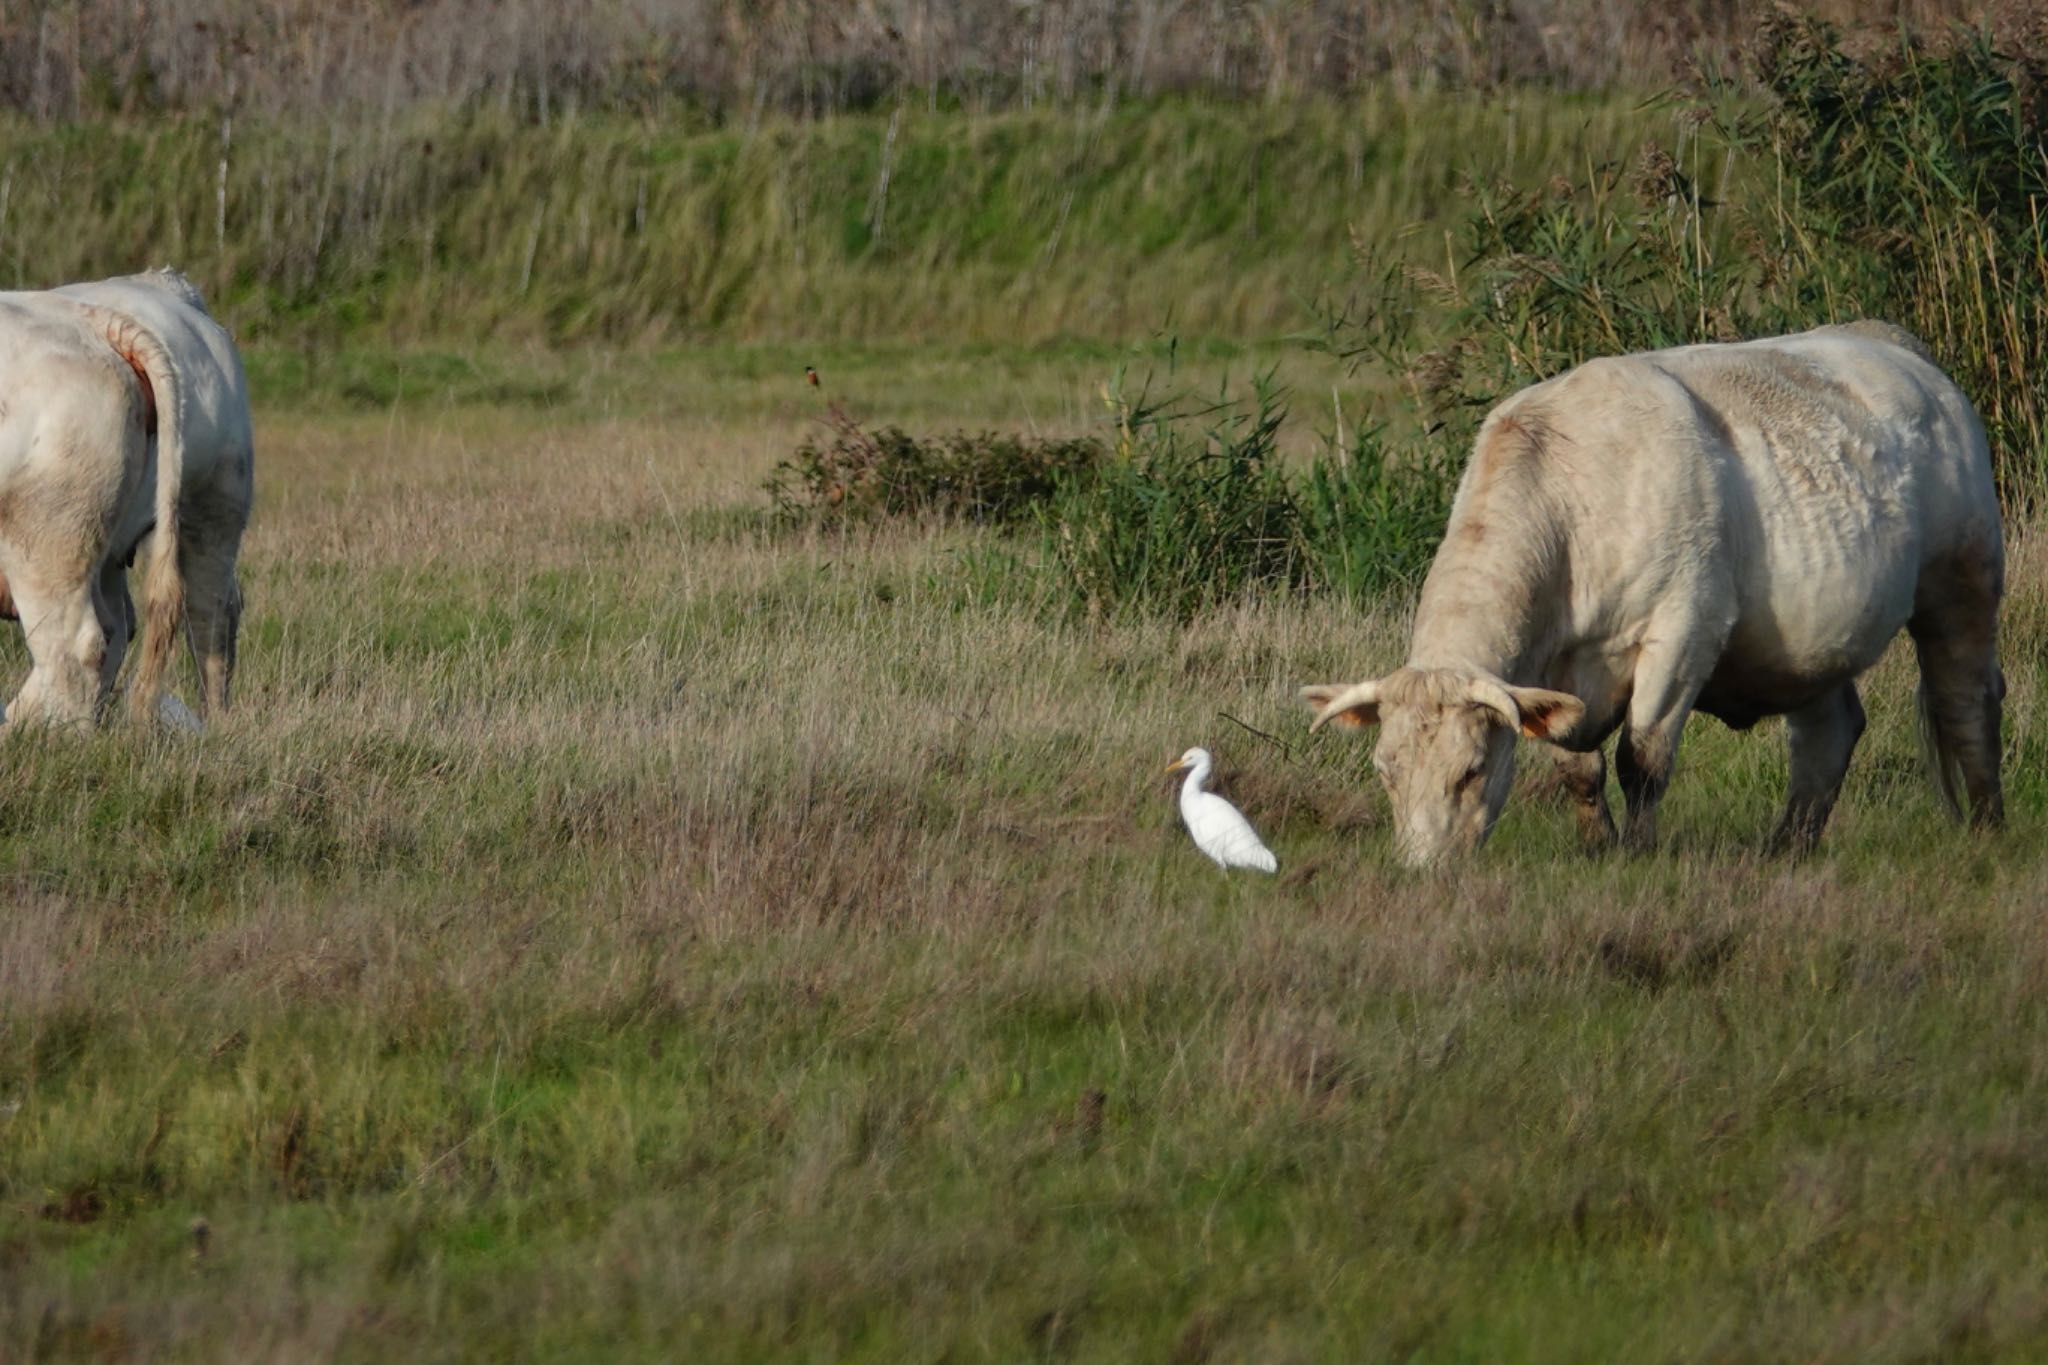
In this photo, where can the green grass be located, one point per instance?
(1058, 385)
(613, 926)
(1207, 219)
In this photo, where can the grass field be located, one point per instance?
(613, 926)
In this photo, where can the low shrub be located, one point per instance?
(1188, 508)
(854, 473)
(1197, 509)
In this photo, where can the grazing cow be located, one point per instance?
(215, 456)
(82, 392)
(1735, 529)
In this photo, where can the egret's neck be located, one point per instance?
(1192, 784)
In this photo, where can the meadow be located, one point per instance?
(620, 922)
(614, 924)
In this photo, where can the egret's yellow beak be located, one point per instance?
(1178, 765)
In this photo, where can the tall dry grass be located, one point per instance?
(542, 59)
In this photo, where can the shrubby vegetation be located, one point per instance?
(1192, 511)
(1190, 507)
(854, 474)
(1198, 510)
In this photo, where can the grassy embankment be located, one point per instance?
(1213, 221)
(612, 924)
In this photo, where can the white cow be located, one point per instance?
(215, 453)
(82, 391)
(1737, 529)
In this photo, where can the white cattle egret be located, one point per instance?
(1218, 828)
(175, 715)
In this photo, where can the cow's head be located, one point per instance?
(1447, 748)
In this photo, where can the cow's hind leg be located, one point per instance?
(1823, 735)
(68, 647)
(213, 598)
(1955, 634)
(213, 619)
(116, 612)
(1585, 778)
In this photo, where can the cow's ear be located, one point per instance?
(1546, 714)
(1353, 706)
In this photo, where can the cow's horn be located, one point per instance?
(1494, 697)
(1358, 694)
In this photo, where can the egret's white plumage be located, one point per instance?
(1218, 828)
(175, 715)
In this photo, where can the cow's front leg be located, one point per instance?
(1585, 778)
(1643, 762)
(1822, 734)
(1667, 682)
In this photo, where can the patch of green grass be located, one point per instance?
(1055, 387)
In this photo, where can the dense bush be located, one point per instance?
(1190, 507)
(854, 473)
(1198, 509)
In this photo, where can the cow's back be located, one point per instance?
(215, 388)
(1850, 443)
(1791, 492)
(1816, 477)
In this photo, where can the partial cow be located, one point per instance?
(215, 453)
(211, 451)
(79, 409)
(1735, 529)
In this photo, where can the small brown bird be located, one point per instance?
(811, 376)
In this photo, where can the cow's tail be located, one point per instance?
(1942, 763)
(163, 582)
